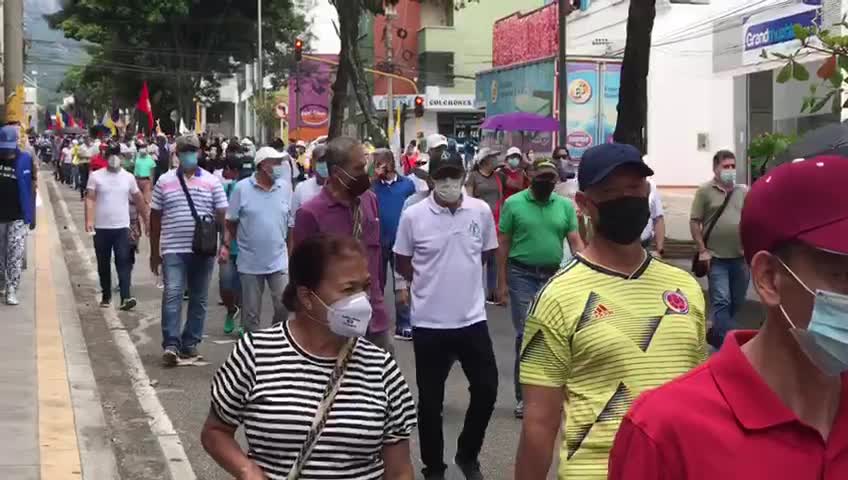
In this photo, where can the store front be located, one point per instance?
(760, 104)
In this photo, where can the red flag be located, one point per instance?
(144, 105)
(71, 122)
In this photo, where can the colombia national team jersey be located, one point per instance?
(606, 338)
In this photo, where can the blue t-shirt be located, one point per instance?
(263, 218)
(390, 200)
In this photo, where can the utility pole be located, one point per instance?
(563, 10)
(260, 81)
(391, 13)
(13, 50)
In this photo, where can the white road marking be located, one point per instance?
(160, 423)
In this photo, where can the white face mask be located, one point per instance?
(350, 316)
(448, 189)
(114, 162)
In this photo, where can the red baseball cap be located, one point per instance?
(804, 201)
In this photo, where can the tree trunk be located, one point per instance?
(350, 72)
(633, 95)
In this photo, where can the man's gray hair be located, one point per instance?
(339, 152)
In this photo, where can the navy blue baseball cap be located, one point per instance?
(9, 137)
(601, 160)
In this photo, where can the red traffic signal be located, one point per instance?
(419, 106)
(298, 50)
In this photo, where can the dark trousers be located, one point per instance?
(83, 175)
(107, 240)
(402, 321)
(435, 352)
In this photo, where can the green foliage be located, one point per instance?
(182, 48)
(833, 74)
(765, 148)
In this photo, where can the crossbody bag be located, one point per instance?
(205, 239)
(700, 268)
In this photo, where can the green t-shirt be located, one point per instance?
(144, 165)
(724, 241)
(537, 230)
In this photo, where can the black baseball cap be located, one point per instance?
(447, 161)
(601, 160)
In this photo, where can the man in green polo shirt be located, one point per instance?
(533, 225)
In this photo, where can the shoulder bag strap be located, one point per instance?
(713, 221)
(357, 220)
(324, 407)
(188, 196)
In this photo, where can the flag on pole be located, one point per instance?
(145, 106)
(183, 129)
(394, 142)
(109, 123)
(60, 123)
(198, 127)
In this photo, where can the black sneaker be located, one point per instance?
(185, 296)
(190, 354)
(404, 335)
(170, 357)
(128, 304)
(519, 410)
(105, 302)
(471, 469)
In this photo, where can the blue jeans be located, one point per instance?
(107, 240)
(728, 283)
(402, 321)
(523, 287)
(181, 270)
(490, 278)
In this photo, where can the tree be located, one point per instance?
(181, 47)
(833, 73)
(351, 71)
(633, 95)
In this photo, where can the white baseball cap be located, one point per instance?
(435, 141)
(300, 143)
(265, 153)
(513, 151)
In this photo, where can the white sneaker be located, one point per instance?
(11, 297)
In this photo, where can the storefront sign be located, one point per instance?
(773, 33)
(450, 103)
(381, 102)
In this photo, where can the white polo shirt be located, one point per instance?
(655, 200)
(446, 249)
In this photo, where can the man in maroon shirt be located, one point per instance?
(771, 404)
(346, 194)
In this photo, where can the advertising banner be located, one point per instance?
(774, 30)
(583, 103)
(609, 105)
(309, 99)
(526, 88)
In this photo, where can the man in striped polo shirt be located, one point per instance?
(171, 222)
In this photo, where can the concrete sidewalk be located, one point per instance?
(50, 410)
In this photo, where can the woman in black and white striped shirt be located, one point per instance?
(275, 380)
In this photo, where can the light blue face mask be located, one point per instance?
(322, 170)
(188, 159)
(278, 172)
(825, 341)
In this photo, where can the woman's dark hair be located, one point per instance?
(309, 262)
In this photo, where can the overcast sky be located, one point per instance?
(326, 40)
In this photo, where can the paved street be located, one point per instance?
(150, 410)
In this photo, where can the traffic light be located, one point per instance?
(298, 50)
(419, 106)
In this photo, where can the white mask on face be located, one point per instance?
(350, 316)
(448, 189)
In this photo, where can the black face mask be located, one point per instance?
(542, 189)
(623, 219)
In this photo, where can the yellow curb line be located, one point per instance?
(57, 436)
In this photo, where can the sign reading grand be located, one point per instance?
(767, 31)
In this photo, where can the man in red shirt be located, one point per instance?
(771, 404)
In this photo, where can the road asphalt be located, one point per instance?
(156, 414)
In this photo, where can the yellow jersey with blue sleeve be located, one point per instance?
(605, 337)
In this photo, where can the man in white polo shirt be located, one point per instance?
(440, 248)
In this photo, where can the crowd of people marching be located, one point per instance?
(610, 340)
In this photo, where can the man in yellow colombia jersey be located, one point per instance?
(611, 324)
